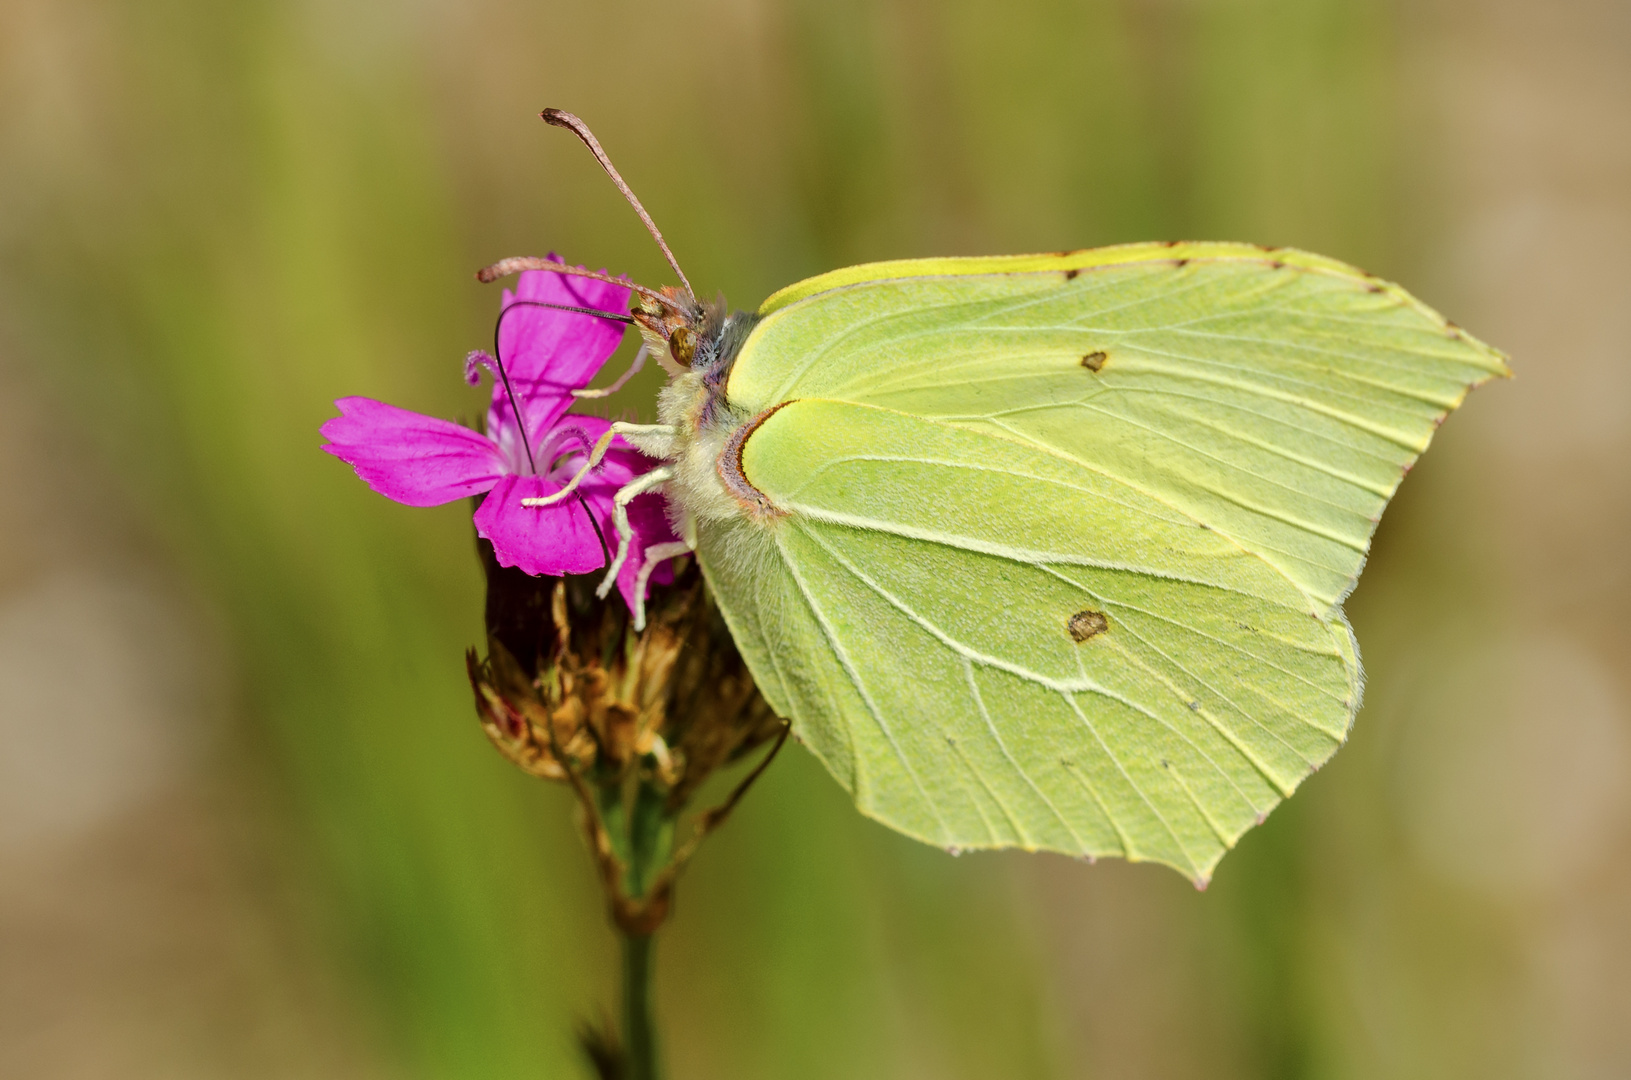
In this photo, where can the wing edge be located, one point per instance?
(1116, 255)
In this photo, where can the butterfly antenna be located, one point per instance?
(518, 264)
(562, 118)
(609, 316)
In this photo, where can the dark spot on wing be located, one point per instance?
(1070, 275)
(1094, 361)
(1181, 263)
(1277, 265)
(1086, 624)
(1173, 243)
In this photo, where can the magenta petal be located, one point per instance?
(407, 456)
(548, 354)
(552, 540)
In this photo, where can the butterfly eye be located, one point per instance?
(682, 344)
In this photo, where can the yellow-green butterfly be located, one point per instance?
(1049, 551)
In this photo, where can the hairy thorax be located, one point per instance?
(706, 456)
(702, 427)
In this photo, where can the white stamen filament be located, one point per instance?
(622, 381)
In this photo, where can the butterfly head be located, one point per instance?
(673, 323)
(699, 337)
(686, 335)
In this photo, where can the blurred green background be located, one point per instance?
(248, 825)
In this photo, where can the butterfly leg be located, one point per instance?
(652, 440)
(654, 558)
(620, 517)
(643, 435)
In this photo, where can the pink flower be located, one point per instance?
(424, 461)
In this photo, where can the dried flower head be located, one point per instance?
(567, 681)
(570, 691)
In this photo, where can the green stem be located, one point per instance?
(639, 1026)
(650, 837)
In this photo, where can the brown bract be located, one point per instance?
(569, 691)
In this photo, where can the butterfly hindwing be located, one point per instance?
(1060, 551)
(1008, 653)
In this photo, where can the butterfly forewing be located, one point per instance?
(1276, 402)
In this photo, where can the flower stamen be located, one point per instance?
(623, 379)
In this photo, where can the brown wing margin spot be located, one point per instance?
(729, 466)
(1086, 624)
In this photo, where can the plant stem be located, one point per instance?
(650, 837)
(639, 1028)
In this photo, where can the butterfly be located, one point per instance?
(1048, 551)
